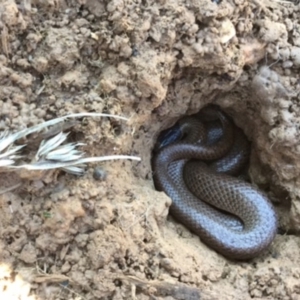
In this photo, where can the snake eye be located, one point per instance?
(168, 136)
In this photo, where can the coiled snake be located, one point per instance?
(194, 165)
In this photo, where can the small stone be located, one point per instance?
(28, 254)
(99, 174)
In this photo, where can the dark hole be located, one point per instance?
(118, 282)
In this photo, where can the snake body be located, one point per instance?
(228, 214)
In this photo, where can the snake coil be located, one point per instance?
(194, 166)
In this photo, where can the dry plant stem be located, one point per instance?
(7, 141)
(44, 165)
(39, 127)
(9, 189)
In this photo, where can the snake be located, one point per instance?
(197, 163)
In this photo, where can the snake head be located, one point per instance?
(168, 136)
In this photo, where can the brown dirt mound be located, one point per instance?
(151, 61)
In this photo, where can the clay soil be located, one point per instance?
(110, 237)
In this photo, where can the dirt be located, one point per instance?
(110, 237)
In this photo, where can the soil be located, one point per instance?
(110, 237)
